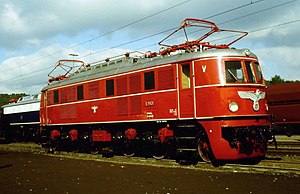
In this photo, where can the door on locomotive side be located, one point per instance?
(186, 91)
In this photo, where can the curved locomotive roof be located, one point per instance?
(24, 104)
(127, 64)
(24, 100)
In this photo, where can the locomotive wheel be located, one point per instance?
(159, 150)
(128, 149)
(53, 148)
(94, 149)
(204, 150)
(75, 148)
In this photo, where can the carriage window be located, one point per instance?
(250, 72)
(185, 76)
(258, 72)
(80, 92)
(149, 81)
(234, 72)
(56, 99)
(110, 87)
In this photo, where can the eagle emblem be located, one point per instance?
(254, 96)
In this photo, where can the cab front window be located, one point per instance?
(234, 72)
(250, 72)
(243, 72)
(258, 72)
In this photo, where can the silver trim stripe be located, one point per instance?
(29, 123)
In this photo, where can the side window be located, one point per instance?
(250, 72)
(56, 96)
(149, 81)
(185, 76)
(80, 92)
(234, 72)
(110, 87)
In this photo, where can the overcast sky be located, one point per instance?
(34, 34)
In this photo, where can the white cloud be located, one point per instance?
(29, 73)
(33, 22)
(283, 61)
(32, 30)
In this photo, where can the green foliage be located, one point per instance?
(4, 98)
(278, 80)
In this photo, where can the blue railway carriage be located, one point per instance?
(20, 119)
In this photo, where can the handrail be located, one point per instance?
(67, 68)
(188, 45)
(166, 49)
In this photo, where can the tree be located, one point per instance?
(4, 98)
(278, 80)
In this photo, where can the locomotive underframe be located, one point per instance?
(247, 139)
(181, 140)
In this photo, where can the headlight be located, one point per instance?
(233, 106)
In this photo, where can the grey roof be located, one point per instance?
(25, 100)
(127, 64)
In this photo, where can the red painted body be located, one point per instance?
(191, 88)
(73, 134)
(284, 102)
(101, 135)
(130, 133)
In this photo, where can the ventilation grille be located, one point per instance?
(166, 79)
(122, 106)
(68, 112)
(49, 97)
(63, 95)
(135, 83)
(93, 88)
(135, 105)
(122, 86)
(71, 94)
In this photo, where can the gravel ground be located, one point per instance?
(25, 168)
(37, 173)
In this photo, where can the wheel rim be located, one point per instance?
(159, 150)
(75, 146)
(94, 149)
(128, 149)
(204, 151)
(75, 149)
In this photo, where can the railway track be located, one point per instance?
(285, 147)
(284, 151)
(268, 166)
(271, 165)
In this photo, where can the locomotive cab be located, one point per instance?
(231, 105)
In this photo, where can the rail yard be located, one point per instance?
(284, 159)
(26, 168)
(196, 107)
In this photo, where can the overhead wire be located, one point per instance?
(215, 15)
(252, 31)
(84, 42)
(136, 40)
(256, 12)
(139, 39)
(109, 32)
(127, 25)
(168, 30)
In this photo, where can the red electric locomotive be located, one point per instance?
(193, 98)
